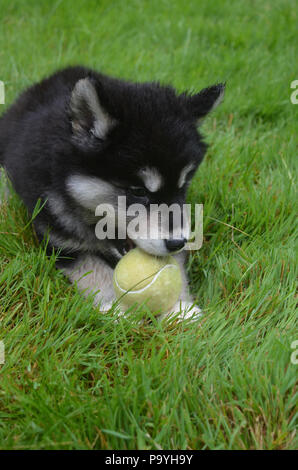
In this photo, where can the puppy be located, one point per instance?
(80, 139)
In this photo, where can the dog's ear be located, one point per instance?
(205, 101)
(88, 116)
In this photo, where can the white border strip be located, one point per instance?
(150, 283)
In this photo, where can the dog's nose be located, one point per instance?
(175, 244)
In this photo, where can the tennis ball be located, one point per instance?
(140, 277)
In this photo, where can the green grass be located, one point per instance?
(74, 379)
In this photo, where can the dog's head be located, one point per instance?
(139, 141)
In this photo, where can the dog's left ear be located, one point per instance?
(205, 101)
(88, 116)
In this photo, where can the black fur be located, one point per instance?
(40, 144)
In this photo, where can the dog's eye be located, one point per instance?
(138, 191)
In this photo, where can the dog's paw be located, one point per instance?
(105, 307)
(183, 310)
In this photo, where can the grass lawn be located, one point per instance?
(74, 379)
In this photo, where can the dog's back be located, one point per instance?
(33, 101)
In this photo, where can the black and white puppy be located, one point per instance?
(79, 139)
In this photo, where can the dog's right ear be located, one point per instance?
(205, 101)
(88, 117)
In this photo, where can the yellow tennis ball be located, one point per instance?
(140, 277)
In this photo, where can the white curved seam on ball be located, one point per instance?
(127, 291)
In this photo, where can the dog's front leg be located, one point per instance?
(185, 307)
(93, 276)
